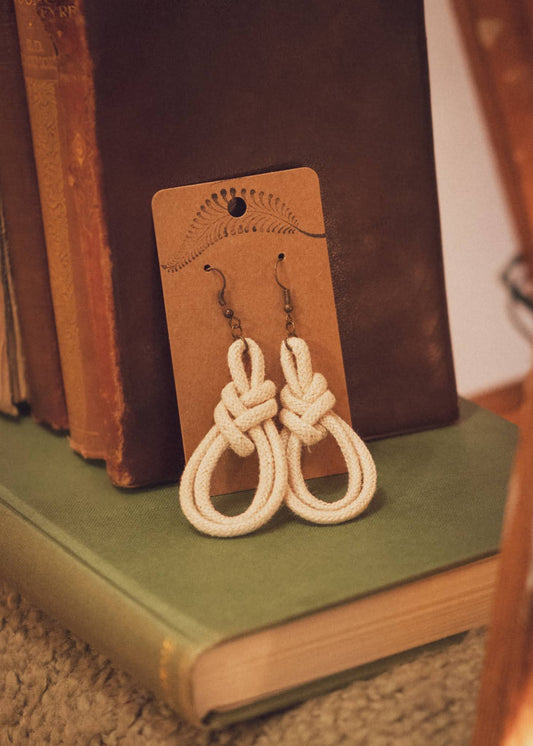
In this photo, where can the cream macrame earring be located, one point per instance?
(307, 416)
(243, 422)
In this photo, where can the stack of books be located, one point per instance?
(109, 103)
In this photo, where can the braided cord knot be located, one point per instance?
(242, 422)
(235, 415)
(308, 416)
(303, 410)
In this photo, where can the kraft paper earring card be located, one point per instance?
(240, 226)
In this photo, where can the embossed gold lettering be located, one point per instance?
(40, 63)
(59, 11)
(34, 46)
(44, 12)
(66, 11)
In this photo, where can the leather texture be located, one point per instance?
(194, 91)
(27, 252)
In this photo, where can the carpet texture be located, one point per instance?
(54, 689)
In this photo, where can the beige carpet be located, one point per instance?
(55, 690)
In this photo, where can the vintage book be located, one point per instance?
(27, 252)
(225, 628)
(136, 437)
(150, 98)
(13, 387)
(77, 346)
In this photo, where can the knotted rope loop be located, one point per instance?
(234, 415)
(296, 364)
(308, 416)
(302, 414)
(306, 397)
(243, 422)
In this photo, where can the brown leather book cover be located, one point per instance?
(89, 249)
(196, 91)
(27, 252)
(69, 292)
(58, 74)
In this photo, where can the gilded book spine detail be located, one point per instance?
(26, 252)
(87, 225)
(40, 72)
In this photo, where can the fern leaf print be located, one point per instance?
(226, 213)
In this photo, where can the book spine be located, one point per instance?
(91, 606)
(124, 428)
(132, 456)
(65, 25)
(27, 252)
(39, 63)
(13, 388)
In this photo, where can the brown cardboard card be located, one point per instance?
(240, 226)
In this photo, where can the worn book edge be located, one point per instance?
(84, 563)
(177, 665)
(52, 576)
(18, 184)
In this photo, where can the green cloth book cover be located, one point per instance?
(126, 572)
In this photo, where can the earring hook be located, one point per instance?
(290, 324)
(280, 258)
(221, 299)
(229, 315)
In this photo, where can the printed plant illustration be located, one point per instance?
(227, 213)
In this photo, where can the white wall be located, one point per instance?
(477, 230)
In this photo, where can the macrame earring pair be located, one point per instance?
(243, 421)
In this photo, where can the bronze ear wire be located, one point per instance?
(229, 314)
(290, 324)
